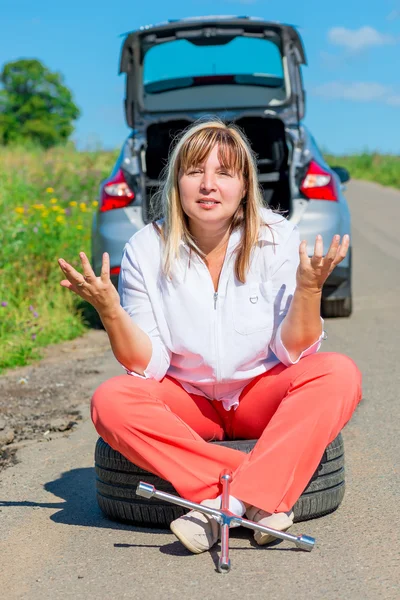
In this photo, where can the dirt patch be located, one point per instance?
(41, 401)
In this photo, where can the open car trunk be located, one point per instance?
(231, 63)
(268, 140)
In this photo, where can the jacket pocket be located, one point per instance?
(252, 308)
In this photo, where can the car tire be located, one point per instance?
(117, 479)
(342, 307)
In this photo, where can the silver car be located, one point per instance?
(244, 70)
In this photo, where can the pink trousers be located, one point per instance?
(295, 412)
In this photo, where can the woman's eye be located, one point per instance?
(225, 173)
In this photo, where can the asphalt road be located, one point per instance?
(55, 543)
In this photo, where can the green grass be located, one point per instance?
(381, 168)
(47, 199)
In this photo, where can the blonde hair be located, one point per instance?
(191, 148)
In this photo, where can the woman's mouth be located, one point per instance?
(208, 203)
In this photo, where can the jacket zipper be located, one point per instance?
(216, 341)
(215, 296)
(217, 366)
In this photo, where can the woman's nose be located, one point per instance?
(208, 182)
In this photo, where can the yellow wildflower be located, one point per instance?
(55, 208)
(79, 227)
(49, 190)
(82, 206)
(38, 206)
(95, 203)
(73, 203)
(45, 213)
(20, 210)
(60, 219)
(54, 200)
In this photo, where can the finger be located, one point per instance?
(331, 255)
(318, 249)
(105, 268)
(303, 253)
(88, 272)
(342, 249)
(345, 245)
(333, 248)
(72, 274)
(65, 283)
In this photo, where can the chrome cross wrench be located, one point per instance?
(225, 518)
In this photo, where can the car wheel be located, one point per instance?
(342, 307)
(117, 479)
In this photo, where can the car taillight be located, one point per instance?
(319, 184)
(115, 193)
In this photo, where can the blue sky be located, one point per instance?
(352, 46)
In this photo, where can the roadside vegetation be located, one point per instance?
(47, 199)
(380, 168)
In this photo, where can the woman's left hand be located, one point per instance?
(313, 272)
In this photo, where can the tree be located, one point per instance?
(35, 105)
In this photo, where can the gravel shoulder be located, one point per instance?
(40, 402)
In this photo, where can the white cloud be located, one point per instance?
(395, 14)
(358, 92)
(393, 100)
(359, 39)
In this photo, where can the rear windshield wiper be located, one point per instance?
(164, 85)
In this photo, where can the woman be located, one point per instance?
(217, 323)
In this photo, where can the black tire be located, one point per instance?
(117, 479)
(342, 307)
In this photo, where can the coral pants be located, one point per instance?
(295, 412)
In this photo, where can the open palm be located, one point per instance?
(98, 291)
(313, 271)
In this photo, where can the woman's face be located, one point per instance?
(210, 194)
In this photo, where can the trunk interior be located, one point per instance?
(267, 138)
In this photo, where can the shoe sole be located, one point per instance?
(267, 538)
(185, 541)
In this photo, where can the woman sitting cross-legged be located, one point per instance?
(217, 323)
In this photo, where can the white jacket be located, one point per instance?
(214, 344)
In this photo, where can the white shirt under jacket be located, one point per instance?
(214, 344)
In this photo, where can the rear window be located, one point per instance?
(182, 64)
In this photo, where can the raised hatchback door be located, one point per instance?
(214, 64)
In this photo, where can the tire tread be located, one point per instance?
(117, 479)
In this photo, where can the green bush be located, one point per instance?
(46, 203)
(381, 168)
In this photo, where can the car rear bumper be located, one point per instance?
(110, 232)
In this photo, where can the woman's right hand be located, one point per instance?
(98, 291)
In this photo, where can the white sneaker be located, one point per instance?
(197, 532)
(279, 521)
